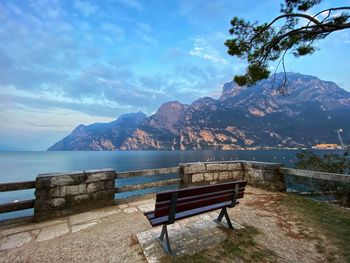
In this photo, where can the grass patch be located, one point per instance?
(240, 245)
(317, 220)
(332, 221)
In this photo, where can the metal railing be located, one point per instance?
(322, 186)
(18, 205)
(314, 182)
(344, 178)
(143, 187)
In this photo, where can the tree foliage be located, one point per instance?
(330, 163)
(294, 30)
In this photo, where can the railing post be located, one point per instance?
(264, 175)
(64, 194)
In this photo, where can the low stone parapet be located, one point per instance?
(61, 194)
(264, 175)
(260, 174)
(210, 172)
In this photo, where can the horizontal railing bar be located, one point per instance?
(318, 193)
(15, 206)
(128, 188)
(170, 170)
(317, 175)
(14, 186)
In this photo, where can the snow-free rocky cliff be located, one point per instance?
(241, 117)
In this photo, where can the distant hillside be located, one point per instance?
(100, 136)
(241, 117)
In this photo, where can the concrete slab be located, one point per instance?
(145, 201)
(31, 226)
(130, 210)
(15, 240)
(52, 232)
(186, 237)
(92, 215)
(146, 207)
(76, 228)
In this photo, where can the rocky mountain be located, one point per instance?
(100, 136)
(241, 117)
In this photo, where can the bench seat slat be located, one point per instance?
(166, 203)
(156, 221)
(204, 202)
(148, 212)
(187, 192)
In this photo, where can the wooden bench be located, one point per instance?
(182, 203)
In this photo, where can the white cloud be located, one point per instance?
(202, 48)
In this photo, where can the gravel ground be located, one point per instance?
(113, 238)
(282, 230)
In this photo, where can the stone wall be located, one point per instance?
(210, 172)
(264, 175)
(62, 194)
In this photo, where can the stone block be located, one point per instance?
(258, 174)
(110, 184)
(95, 186)
(185, 179)
(54, 192)
(224, 175)
(99, 175)
(234, 166)
(208, 177)
(237, 175)
(103, 195)
(42, 182)
(44, 192)
(197, 178)
(216, 176)
(211, 167)
(64, 194)
(61, 180)
(67, 179)
(79, 199)
(269, 176)
(74, 189)
(194, 168)
(57, 202)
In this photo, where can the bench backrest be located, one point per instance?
(197, 197)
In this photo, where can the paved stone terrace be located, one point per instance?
(112, 234)
(18, 235)
(187, 236)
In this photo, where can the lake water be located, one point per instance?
(23, 166)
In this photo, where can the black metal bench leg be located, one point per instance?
(223, 213)
(165, 243)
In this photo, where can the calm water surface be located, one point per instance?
(22, 166)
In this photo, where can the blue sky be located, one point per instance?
(66, 62)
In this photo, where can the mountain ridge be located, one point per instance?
(100, 136)
(241, 117)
